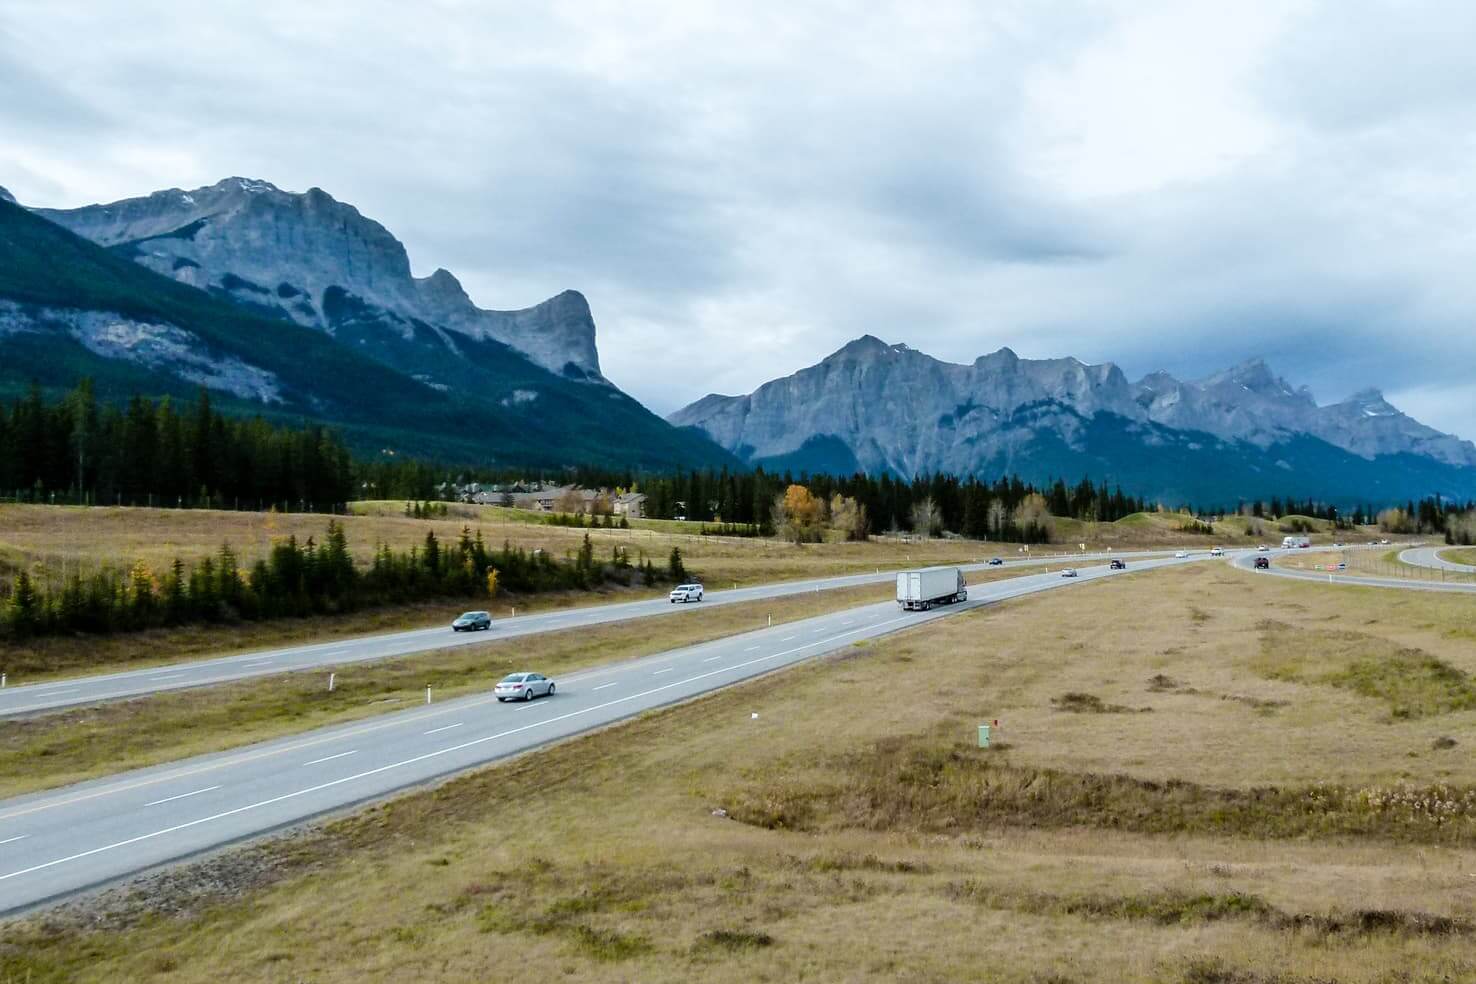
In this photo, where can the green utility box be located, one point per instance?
(983, 736)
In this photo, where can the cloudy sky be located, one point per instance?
(739, 189)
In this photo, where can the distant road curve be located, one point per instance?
(56, 694)
(1430, 557)
(1246, 562)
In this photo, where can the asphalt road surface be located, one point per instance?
(1430, 557)
(59, 842)
(75, 691)
(1247, 562)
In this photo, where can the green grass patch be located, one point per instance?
(1413, 683)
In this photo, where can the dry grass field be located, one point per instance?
(1204, 777)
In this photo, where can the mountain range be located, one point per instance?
(1244, 432)
(297, 306)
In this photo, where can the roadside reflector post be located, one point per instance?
(427, 693)
(331, 676)
(771, 621)
(2, 681)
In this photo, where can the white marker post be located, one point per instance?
(771, 621)
(2, 681)
(427, 693)
(330, 681)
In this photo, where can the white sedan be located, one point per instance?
(1069, 572)
(523, 686)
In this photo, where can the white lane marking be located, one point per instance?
(259, 662)
(750, 649)
(166, 676)
(52, 693)
(446, 727)
(664, 669)
(786, 639)
(604, 685)
(12, 840)
(713, 658)
(330, 758)
(171, 799)
(410, 761)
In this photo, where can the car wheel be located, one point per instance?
(550, 690)
(502, 700)
(528, 694)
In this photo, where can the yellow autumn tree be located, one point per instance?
(798, 515)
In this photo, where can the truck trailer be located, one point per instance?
(921, 590)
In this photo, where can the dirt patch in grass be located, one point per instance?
(1410, 681)
(1077, 702)
(1179, 908)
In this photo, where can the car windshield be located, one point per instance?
(466, 615)
(513, 678)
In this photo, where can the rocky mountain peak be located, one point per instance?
(311, 258)
(1003, 358)
(919, 414)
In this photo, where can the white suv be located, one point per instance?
(685, 593)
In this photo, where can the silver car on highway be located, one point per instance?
(523, 686)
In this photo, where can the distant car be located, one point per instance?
(1338, 544)
(995, 561)
(1180, 554)
(523, 686)
(1263, 563)
(472, 621)
(1263, 548)
(685, 593)
(1117, 565)
(1069, 572)
(1217, 551)
(1384, 542)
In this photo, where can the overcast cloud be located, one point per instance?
(741, 189)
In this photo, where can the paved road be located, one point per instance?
(57, 843)
(60, 693)
(1430, 557)
(1247, 561)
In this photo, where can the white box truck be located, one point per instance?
(921, 590)
(1295, 542)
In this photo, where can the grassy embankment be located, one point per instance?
(1371, 563)
(1460, 555)
(1204, 776)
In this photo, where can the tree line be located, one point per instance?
(188, 454)
(297, 579)
(165, 454)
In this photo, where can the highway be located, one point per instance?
(1430, 557)
(63, 841)
(59, 693)
(1247, 562)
